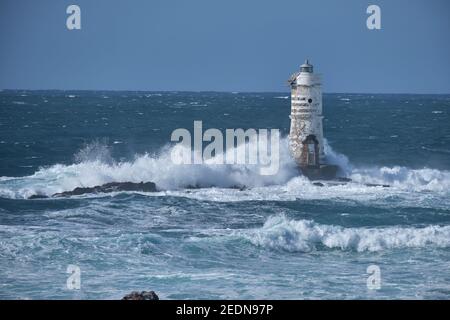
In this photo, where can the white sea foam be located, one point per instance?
(94, 166)
(337, 159)
(281, 233)
(404, 178)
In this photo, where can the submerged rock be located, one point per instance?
(143, 295)
(343, 179)
(110, 187)
(320, 172)
(377, 185)
(38, 196)
(318, 184)
(198, 186)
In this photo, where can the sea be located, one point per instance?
(215, 231)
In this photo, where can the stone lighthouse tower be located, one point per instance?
(306, 132)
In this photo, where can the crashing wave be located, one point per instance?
(281, 233)
(94, 166)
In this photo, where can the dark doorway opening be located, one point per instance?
(310, 151)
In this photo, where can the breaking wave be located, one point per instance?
(281, 233)
(95, 166)
(404, 178)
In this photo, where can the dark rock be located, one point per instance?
(321, 172)
(193, 186)
(377, 185)
(38, 196)
(197, 186)
(110, 187)
(319, 184)
(143, 295)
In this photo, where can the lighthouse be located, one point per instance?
(306, 132)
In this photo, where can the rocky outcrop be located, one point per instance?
(110, 187)
(143, 295)
(105, 188)
(320, 172)
(198, 186)
(37, 196)
(377, 185)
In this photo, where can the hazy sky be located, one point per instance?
(228, 45)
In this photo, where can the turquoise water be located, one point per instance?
(281, 237)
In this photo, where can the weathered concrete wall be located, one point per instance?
(306, 115)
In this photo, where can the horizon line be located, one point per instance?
(220, 91)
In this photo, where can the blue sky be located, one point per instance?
(232, 45)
